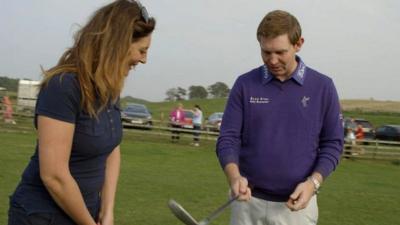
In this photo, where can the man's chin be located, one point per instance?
(277, 73)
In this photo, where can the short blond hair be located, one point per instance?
(279, 22)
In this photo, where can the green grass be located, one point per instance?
(361, 192)
(154, 170)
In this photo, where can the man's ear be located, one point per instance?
(299, 44)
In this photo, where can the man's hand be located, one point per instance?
(301, 196)
(239, 186)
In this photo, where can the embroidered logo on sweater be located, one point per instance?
(304, 101)
(259, 100)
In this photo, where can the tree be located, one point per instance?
(218, 90)
(197, 92)
(175, 94)
(171, 94)
(10, 84)
(181, 94)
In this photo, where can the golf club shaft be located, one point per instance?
(214, 214)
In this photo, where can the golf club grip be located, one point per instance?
(221, 208)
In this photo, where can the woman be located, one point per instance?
(197, 121)
(176, 117)
(72, 176)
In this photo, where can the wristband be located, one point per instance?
(316, 183)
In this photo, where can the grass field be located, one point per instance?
(370, 105)
(154, 170)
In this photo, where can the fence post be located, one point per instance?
(376, 149)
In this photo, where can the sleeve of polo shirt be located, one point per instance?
(229, 140)
(331, 136)
(60, 98)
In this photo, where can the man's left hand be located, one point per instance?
(301, 196)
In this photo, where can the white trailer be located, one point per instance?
(27, 94)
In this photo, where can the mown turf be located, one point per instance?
(155, 170)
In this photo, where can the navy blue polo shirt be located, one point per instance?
(93, 140)
(278, 133)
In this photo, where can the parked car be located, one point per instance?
(214, 121)
(136, 115)
(188, 122)
(388, 133)
(368, 129)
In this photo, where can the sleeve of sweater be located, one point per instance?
(229, 140)
(331, 136)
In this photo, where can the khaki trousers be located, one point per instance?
(261, 212)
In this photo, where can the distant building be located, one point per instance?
(27, 93)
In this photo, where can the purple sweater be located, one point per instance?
(278, 133)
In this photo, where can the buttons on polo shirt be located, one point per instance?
(112, 124)
(111, 118)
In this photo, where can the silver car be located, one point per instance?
(214, 121)
(136, 115)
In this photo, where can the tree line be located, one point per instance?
(217, 90)
(9, 83)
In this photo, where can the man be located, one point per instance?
(282, 133)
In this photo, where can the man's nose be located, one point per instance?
(273, 60)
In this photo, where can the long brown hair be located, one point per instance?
(99, 54)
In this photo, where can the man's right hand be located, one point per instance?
(239, 186)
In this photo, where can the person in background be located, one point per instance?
(282, 133)
(197, 122)
(8, 110)
(359, 132)
(350, 141)
(350, 136)
(359, 137)
(177, 116)
(73, 173)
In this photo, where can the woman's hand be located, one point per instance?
(106, 219)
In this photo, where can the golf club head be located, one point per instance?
(181, 213)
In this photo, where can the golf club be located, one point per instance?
(187, 219)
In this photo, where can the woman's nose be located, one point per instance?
(143, 60)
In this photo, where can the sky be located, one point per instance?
(201, 42)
